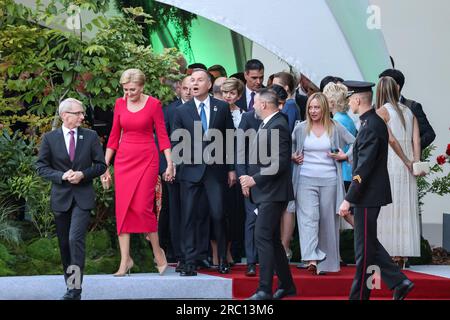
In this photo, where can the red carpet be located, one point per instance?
(336, 286)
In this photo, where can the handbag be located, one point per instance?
(419, 167)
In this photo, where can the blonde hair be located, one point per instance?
(387, 92)
(233, 84)
(324, 106)
(132, 75)
(336, 94)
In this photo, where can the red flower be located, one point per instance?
(448, 150)
(441, 159)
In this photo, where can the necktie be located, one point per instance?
(203, 117)
(72, 145)
(252, 101)
(261, 125)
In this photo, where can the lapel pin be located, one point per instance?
(215, 109)
(80, 137)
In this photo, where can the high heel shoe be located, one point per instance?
(162, 268)
(127, 271)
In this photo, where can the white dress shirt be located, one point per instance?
(66, 133)
(267, 119)
(207, 108)
(248, 95)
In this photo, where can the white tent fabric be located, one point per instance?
(304, 33)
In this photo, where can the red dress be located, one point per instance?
(136, 164)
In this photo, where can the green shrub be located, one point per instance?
(426, 254)
(5, 269)
(142, 254)
(9, 232)
(5, 256)
(44, 249)
(102, 265)
(98, 243)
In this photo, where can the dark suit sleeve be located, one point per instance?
(368, 145)
(284, 156)
(43, 164)
(229, 126)
(427, 134)
(177, 124)
(98, 160)
(166, 118)
(241, 149)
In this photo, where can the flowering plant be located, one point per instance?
(443, 158)
(437, 185)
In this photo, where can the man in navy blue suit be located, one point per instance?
(249, 121)
(254, 77)
(201, 168)
(71, 157)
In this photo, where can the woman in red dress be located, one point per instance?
(136, 163)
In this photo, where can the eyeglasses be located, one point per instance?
(78, 113)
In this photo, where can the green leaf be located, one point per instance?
(97, 23)
(52, 9)
(67, 77)
(60, 64)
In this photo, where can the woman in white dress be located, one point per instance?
(398, 223)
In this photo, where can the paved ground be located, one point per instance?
(106, 287)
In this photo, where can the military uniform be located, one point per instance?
(369, 190)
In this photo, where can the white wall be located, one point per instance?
(272, 64)
(416, 34)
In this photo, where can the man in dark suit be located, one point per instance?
(203, 168)
(369, 190)
(71, 157)
(174, 186)
(174, 199)
(254, 77)
(249, 122)
(269, 186)
(427, 134)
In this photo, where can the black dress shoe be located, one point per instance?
(281, 293)
(261, 295)
(204, 264)
(402, 290)
(72, 294)
(179, 267)
(188, 271)
(251, 270)
(224, 268)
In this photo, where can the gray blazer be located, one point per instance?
(340, 138)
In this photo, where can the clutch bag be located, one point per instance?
(419, 167)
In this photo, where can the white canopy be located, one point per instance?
(317, 38)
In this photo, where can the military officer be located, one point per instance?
(369, 190)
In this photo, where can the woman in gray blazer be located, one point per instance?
(318, 184)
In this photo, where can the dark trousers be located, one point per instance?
(173, 190)
(270, 250)
(250, 221)
(71, 229)
(203, 227)
(164, 233)
(193, 212)
(369, 253)
(176, 227)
